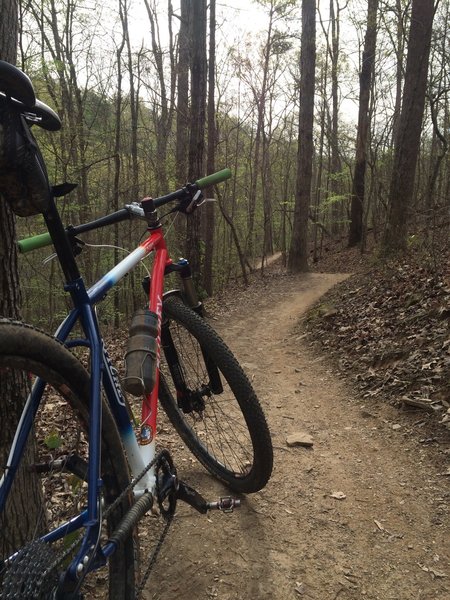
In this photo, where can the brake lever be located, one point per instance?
(196, 201)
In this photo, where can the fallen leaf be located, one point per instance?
(338, 495)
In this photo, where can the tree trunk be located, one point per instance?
(365, 79)
(208, 214)
(117, 161)
(298, 255)
(409, 130)
(260, 96)
(182, 116)
(400, 52)
(183, 93)
(197, 125)
(163, 109)
(24, 499)
(335, 166)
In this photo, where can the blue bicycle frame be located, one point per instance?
(101, 373)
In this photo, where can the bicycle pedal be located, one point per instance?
(227, 504)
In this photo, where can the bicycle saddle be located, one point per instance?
(17, 86)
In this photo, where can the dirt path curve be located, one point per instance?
(388, 535)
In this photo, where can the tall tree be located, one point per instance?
(335, 159)
(163, 104)
(10, 302)
(117, 149)
(365, 80)
(198, 69)
(208, 218)
(10, 297)
(410, 124)
(183, 92)
(260, 94)
(298, 255)
(182, 114)
(134, 103)
(399, 45)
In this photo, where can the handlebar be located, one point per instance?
(200, 184)
(44, 239)
(34, 242)
(213, 179)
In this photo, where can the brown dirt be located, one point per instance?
(387, 538)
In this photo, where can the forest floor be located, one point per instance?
(364, 512)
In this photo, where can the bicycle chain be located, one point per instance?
(154, 557)
(169, 517)
(168, 514)
(27, 575)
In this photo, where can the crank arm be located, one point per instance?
(187, 494)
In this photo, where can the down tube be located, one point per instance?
(137, 459)
(147, 439)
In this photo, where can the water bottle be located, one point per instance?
(140, 358)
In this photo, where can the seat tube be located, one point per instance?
(95, 416)
(90, 326)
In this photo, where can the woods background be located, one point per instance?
(317, 115)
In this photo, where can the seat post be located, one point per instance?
(61, 242)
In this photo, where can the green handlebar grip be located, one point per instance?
(35, 242)
(214, 178)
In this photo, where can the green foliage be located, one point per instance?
(80, 83)
(53, 441)
(335, 199)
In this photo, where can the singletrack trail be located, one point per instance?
(362, 514)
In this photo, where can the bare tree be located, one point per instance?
(164, 102)
(365, 80)
(208, 214)
(183, 92)
(298, 255)
(410, 124)
(333, 41)
(117, 150)
(198, 72)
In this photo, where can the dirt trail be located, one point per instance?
(387, 539)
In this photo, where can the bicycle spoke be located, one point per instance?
(220, 427)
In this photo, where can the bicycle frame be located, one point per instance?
(139, 453)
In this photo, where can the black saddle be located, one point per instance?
(17, 87)
(24, 180)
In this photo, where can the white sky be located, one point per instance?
(238, 14)
(237, 20)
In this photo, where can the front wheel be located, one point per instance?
(211, 403)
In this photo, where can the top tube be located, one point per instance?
(99, 289)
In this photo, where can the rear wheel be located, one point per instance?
(50, 485)
(211, 402)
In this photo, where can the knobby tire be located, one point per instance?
(61, 420)
(228, 432)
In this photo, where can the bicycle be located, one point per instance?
(74, 446)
